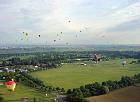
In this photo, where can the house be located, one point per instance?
(23, 70)
(83, 64)
(1, 70)
(78, 59)
(11, 70)
(36, 66)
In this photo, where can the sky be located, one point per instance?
(80, 21)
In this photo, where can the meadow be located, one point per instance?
(21, 91)
(74, 75)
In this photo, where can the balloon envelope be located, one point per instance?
(11, 85)
(26, 34)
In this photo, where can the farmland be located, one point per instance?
(55, 72)
(74, 75)
(129, 94)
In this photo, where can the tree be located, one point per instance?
(34, 99)
(69, 91)
(75, 96)
(4, 63)
(62, 90)
(138, 61)
(105, 89)
(1, 99)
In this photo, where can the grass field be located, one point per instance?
(129, 94)
(21, 91)
(73, 75)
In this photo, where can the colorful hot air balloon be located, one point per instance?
(11, 85)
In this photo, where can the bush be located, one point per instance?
(106, 89)
(94, 89)
(1, 99)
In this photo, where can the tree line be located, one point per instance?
(95, 89)
(30, 81)
(62, 57)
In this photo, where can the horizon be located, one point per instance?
(63, 45)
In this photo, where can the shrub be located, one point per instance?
(1, 99)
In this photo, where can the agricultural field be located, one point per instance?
(74, 75)
(21, 91)
(128, 94)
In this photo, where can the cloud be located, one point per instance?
(127, 26)
(50, 17)
(126, 14)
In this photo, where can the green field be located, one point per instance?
(21, 91)
(74, 75)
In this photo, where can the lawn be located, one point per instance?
(74, 75)
(21, 91)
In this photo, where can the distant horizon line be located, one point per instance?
(70, 45)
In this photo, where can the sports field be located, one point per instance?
(75, 75)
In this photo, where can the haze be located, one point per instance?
(80, 21)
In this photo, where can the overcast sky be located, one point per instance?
(80, 21)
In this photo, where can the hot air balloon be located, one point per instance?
(96, 58)
(38, 35)
(11, 85)
(123, 63)
(80, 31)
(26, 34)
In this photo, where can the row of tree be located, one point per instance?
(47, 60)
(94, 89)
(7, 76)
(30, 81)
(60, 57)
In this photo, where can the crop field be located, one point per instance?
(129, 94)
(21, 91)
(74, 75)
